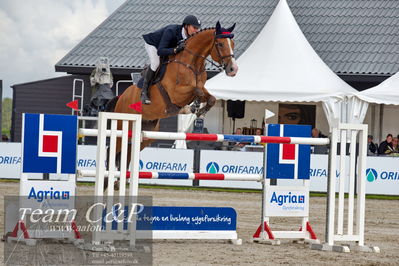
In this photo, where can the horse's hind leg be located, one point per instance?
(210, 101)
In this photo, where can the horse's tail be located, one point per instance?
(110, 106)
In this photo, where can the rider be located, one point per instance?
(164, 42)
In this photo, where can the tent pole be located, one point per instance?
(372, 122)
(381, 121)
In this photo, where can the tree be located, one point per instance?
(6, 116)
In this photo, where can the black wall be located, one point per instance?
(51, 96)
(45, 96)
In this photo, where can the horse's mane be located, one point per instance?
(197, 33)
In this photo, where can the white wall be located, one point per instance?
(213, 119)
(390, 122)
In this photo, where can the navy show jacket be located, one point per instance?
(165, 39)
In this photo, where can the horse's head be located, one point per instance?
(223, 49)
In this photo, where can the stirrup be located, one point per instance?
(145, 99)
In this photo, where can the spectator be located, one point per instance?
(372, 147)
(258, 132)
(238, 131)
(395, 145)
(386, 146)
(317, 134)
(237, 146)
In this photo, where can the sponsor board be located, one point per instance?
(231, 162)
(54, 194)
(50, 143)
(382, 175)
(287, 201)
(385, 183)
(288, 161)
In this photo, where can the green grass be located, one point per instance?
(214, 189)
(238, 190)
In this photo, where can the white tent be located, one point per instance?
(385, 93)
(281, 66)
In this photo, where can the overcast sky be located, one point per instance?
(36, 34)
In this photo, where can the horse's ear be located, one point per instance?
(218, 27)
(231, 28)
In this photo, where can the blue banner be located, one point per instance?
(182, 218)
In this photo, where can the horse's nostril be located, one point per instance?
(231, 69)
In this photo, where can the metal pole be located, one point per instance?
(381, 120)
(197, 155)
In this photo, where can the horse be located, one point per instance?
(183, 81)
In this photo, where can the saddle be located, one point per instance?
(159, 73)
(171, 108)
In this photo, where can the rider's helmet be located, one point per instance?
(192, 20)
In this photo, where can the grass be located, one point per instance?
(238, 190)
(214, 189)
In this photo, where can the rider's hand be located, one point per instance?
(179, 47)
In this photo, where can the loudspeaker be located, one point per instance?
(236, 109)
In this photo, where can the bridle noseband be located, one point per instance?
(221, 57)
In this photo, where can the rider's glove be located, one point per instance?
(179, 47)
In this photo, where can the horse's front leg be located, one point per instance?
(210, 101)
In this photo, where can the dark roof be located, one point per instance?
(352, 37)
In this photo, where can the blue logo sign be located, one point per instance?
(141, 165)
(49, 143)
(212, 168)
(288, 161)
(371, 174)
(163, 166)
(47, 194)
(286, 198)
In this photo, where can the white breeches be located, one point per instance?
(153, 55)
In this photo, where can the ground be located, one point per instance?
(382, 230)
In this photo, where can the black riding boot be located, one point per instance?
(145, 96)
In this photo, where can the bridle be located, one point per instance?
(222, 65)
(221, 57)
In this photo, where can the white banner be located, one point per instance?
(167, 160)
(287, 201)
(382, 175)
(151, 160)
(10, 160)
(382, 178)
(231, 162)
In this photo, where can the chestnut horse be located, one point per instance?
(183, 80)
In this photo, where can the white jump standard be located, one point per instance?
(353, 239)
(264, 233)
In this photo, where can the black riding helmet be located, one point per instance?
(192, 20)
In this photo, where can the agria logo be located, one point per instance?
(141, 165)
(212, 168)
(371, 174)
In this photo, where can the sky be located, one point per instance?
(36, 34)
